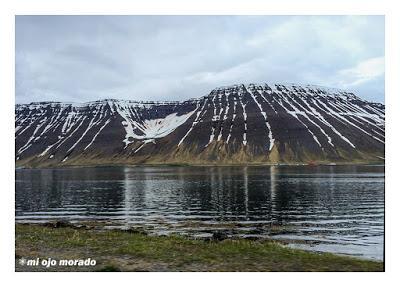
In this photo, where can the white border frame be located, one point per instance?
(9, 9)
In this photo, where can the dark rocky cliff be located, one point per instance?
(237, 124)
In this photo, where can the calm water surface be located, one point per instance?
(325, 208)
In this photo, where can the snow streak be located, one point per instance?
(333, 118)
(195, 122)
(264, 114)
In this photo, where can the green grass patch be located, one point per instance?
(125, 251)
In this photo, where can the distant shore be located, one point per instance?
(134, 250)
(380, 163)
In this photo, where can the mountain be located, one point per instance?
(267, 123)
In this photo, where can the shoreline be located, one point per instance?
(205, 165)
(135, 250)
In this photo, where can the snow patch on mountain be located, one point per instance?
(154, 128)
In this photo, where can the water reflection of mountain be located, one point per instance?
(217, 193)
(340, 204)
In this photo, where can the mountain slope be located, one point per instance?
(236, 124)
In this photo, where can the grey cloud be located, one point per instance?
(83, 58)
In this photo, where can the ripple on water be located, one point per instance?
(337, 209)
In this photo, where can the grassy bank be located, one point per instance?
(116, 250)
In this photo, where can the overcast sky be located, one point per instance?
(85, 58)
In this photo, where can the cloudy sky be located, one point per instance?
(85, 58)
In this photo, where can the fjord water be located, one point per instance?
(338, 209)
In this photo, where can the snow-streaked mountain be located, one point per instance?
(267, 123)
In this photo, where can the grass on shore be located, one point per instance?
(116, 250)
